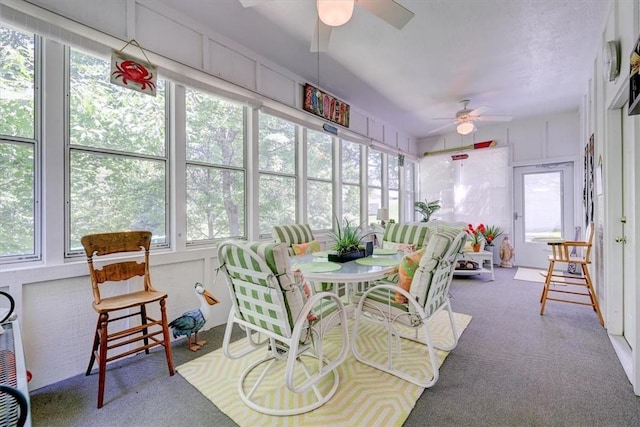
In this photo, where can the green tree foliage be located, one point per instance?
(215, 193)
(17, 148)
(277, 186)
(118, 164)
(319, 167)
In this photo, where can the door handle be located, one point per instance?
(516, 216)
(621, 239)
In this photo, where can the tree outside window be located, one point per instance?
(117, 166)
(319, 180)
(18, 147)
(277, 175)
(351, 188)
(215, 167)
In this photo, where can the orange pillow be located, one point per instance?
(406, 271)
(306, 248)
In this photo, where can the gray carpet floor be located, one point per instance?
(512, 367)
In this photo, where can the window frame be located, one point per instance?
(36, 144)
(218, 167)
(70, 148)
(295, 175)
(330, 181)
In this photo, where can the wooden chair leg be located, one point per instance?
(143, 321)
(96, 343)
(102, 358)
(167, 338)
(545, 289)
(592, 293)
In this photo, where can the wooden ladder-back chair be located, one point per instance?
(383, 323)
(282, 315)
(109, 344)
(573, 287)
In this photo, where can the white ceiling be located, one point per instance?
(517, 57)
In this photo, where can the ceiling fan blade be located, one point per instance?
(442, 127)
(478, 111)
(389, 11)
(249, 3)
(493, 118)
(321, 37)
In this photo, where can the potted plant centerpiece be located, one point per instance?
(348, 239)
(427, 208)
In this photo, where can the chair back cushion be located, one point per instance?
(262, 284)
(433, 276)
(292, 233)
(410, 234)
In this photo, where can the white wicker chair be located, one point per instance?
(396, 322)
(270, 306)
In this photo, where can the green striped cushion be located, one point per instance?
(382, 300)
(437, 226)
(290, 234)
(430, 282)
(405, 233)
(257, 292)
(435, 293)
(265, 288)
(422, 279)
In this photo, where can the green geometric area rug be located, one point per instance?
(365, 396)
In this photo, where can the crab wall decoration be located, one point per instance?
(133, 73)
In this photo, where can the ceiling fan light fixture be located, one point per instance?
(465, 128)
(335, 12)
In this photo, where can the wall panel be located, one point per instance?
(163, 35)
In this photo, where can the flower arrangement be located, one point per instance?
(476, 234)
(490, 233)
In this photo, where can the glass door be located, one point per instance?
(543, 208)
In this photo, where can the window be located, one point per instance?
(351, 188)
(319, 180)
(215, 174)
(19, 141)
(118, 161)
(409, 173)
(374, 176)
(394, 187)
(277, 175)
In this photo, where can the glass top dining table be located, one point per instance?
(317, 268)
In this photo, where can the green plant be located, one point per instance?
(491, 233)
(427, 208)
(347, 238)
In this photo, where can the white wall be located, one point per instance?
(535, 140)
(601, 116)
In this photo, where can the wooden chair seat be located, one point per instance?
(120, 302)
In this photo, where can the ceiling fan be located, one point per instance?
(387, 10)
(465, 118)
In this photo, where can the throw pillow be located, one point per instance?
(400, 247)
(406, 271)
(306, 290)
(306, 248)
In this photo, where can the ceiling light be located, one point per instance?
(465, 128)
(335, 12)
